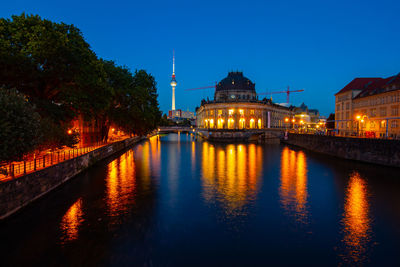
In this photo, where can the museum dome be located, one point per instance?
(235, 81)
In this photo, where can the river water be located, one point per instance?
(176, 201)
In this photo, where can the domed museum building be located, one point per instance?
(236, 106)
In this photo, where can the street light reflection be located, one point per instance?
(71, 221)
(230, 175)
(293, 190)
(356, 220)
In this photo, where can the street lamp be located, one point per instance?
(360, 119)
(301, 123)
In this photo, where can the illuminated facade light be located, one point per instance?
(252, 123)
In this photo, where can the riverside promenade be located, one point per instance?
(18, 193)
(47, 158)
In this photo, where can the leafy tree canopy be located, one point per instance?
(19, 126)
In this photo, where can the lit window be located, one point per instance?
(241, 112)
(252, 112)
(230, 112)
(231, 123)
(252, 124)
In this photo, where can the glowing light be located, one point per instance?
(69, 131)
(230, 175)
(241, 112)
(211, 123)
(358, 117)
(242, 122)
(220, 123)
(231, 123)
(252, 123)
(230, 112)
(71, 221)
(293, 120)
(286, 119)
(356, 220)
(293, 189)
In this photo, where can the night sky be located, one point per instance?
(318, 46)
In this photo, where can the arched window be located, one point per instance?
(252, 124)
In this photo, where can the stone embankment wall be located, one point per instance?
(252, 135)
(19, 192)
(377, 151)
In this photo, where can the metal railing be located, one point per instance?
(16, 169)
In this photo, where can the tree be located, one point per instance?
(135, 106)
(19, 126)
(54, 67)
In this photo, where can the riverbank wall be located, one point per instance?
(18, 193)
(376, 151)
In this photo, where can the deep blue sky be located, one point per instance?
(316, 45)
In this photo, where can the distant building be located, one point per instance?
(236, 106)
(369, 107)
(181, 114)
(307, 115)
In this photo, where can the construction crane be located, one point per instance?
(201, 88)
(287, 92)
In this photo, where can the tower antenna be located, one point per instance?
(173, 81)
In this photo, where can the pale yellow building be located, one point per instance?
(236, 106)
(369, 107)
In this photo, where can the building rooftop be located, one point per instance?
(381, 86)
(358, 84)
(235, 81)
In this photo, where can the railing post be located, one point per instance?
(12, 170)
(44, 161)
(51, 158)
(34, 164)
(24, 167)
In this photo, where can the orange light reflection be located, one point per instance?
(71, 221)
(230, 175)
(293, 189)
(356, 220)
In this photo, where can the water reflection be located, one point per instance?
(230, 174)
(293, 189)
(71, 221)
(356, 220)
(121, 184)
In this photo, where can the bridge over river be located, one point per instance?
(228, 135)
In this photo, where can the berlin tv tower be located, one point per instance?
(173, 81)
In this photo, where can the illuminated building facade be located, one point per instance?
(236, 106)
(369, 107)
